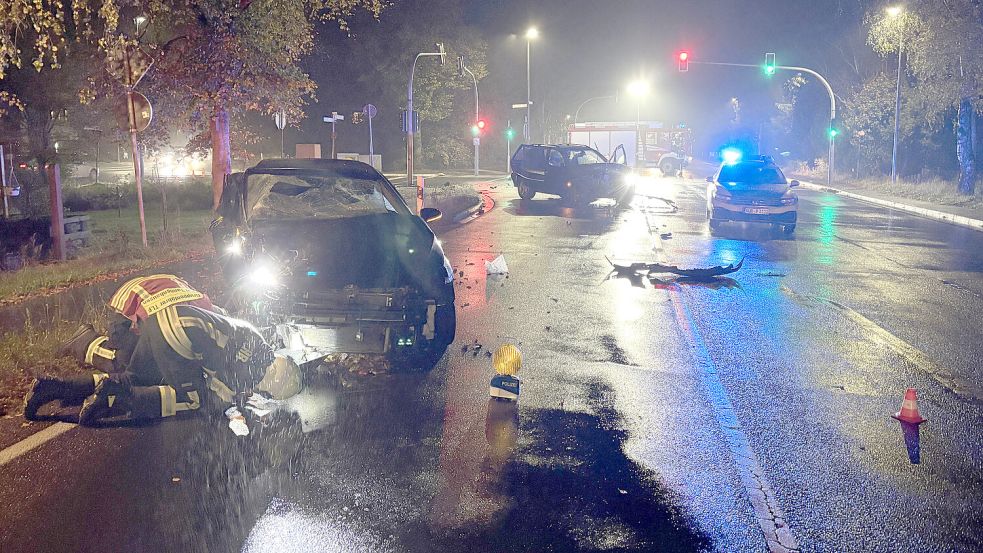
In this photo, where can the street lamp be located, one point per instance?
(532, 33)
(638, 89)
(408, 123)
(897, 12)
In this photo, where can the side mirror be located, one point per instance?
(430, 214)
(709, 179)
(794, 183)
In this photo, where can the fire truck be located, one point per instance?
(648, 144)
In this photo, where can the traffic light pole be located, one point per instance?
(410, 130)
(832, 104)
(477, 141)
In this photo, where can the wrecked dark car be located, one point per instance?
(327, 253)
(578, 174)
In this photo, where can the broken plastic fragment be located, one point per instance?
(237, 422)
(497, 266)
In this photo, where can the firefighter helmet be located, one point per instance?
(507, 360)
(282, 379)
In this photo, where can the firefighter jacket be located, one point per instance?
(141, 297)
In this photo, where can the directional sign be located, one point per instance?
(133, 112)
(476, 141)
(280, 118)
(369, 110)
(521, 106)
(128, 65)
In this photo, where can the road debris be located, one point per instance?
(497, 266)
(695, 273)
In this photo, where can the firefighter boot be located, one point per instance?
(89, 348)
(45, 389)
(109, 396)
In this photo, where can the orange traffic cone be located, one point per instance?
(909, 408)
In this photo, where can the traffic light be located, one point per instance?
(478, 128)
(770, 66)
(509, 133)
(683, 62)
(832, 132)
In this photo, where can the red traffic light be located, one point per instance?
(683, 58)
(481, 124)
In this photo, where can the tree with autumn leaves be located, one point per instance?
(214, 59)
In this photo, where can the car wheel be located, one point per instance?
(94, 175)
(526, 192)
(788, 229)
(714, 224)
(669, 168)
(426, 357)
(626, 199)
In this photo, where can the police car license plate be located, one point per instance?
(757, 210)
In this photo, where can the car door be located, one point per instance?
(556, 171)
(619, 155)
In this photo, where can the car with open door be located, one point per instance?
(328, 254)
(579, 174)
(752, 190)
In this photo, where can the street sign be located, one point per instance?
(369, 110)
(521, 106)
(280, 118)
(413, 125)
(133, 117)
(477, 141)
(128, 65)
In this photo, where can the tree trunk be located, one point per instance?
(964, 147)
(221, 152)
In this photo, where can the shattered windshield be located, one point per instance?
(584, 156)
(751, 173)
(306, 196)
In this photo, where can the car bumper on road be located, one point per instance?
(785, 214)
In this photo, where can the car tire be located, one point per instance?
(627, 197)
(526, 191)
(669, 168)
(788, 229)
(425, 358)
(714, 224)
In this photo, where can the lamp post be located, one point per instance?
(408, 123)
(899, 13)
(638, 89)
(532, 33)
(576, 114)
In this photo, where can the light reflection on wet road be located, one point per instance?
(619, 441)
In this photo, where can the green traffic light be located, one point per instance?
(475, 131)
(769, 70)
(510, 133)
(833, 132)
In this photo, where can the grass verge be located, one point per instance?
(936, 191)
(32, 350)
(115, 250)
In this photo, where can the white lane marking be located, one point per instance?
(771, 519)
(879, 335)
(34, 440)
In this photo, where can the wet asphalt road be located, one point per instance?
(656, 415)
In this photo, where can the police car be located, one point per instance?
(751, 189)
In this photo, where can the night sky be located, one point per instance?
(590, 48)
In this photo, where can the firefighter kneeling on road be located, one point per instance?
(131, 304)
(181, 352)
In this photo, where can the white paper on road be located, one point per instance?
(236, 421)
(497, 266)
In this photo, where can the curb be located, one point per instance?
(960, 220)
(469, 212)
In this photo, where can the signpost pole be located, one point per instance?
(57, 213)
(3, 182)
(137, 169)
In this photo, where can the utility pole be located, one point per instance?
(897, 12)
